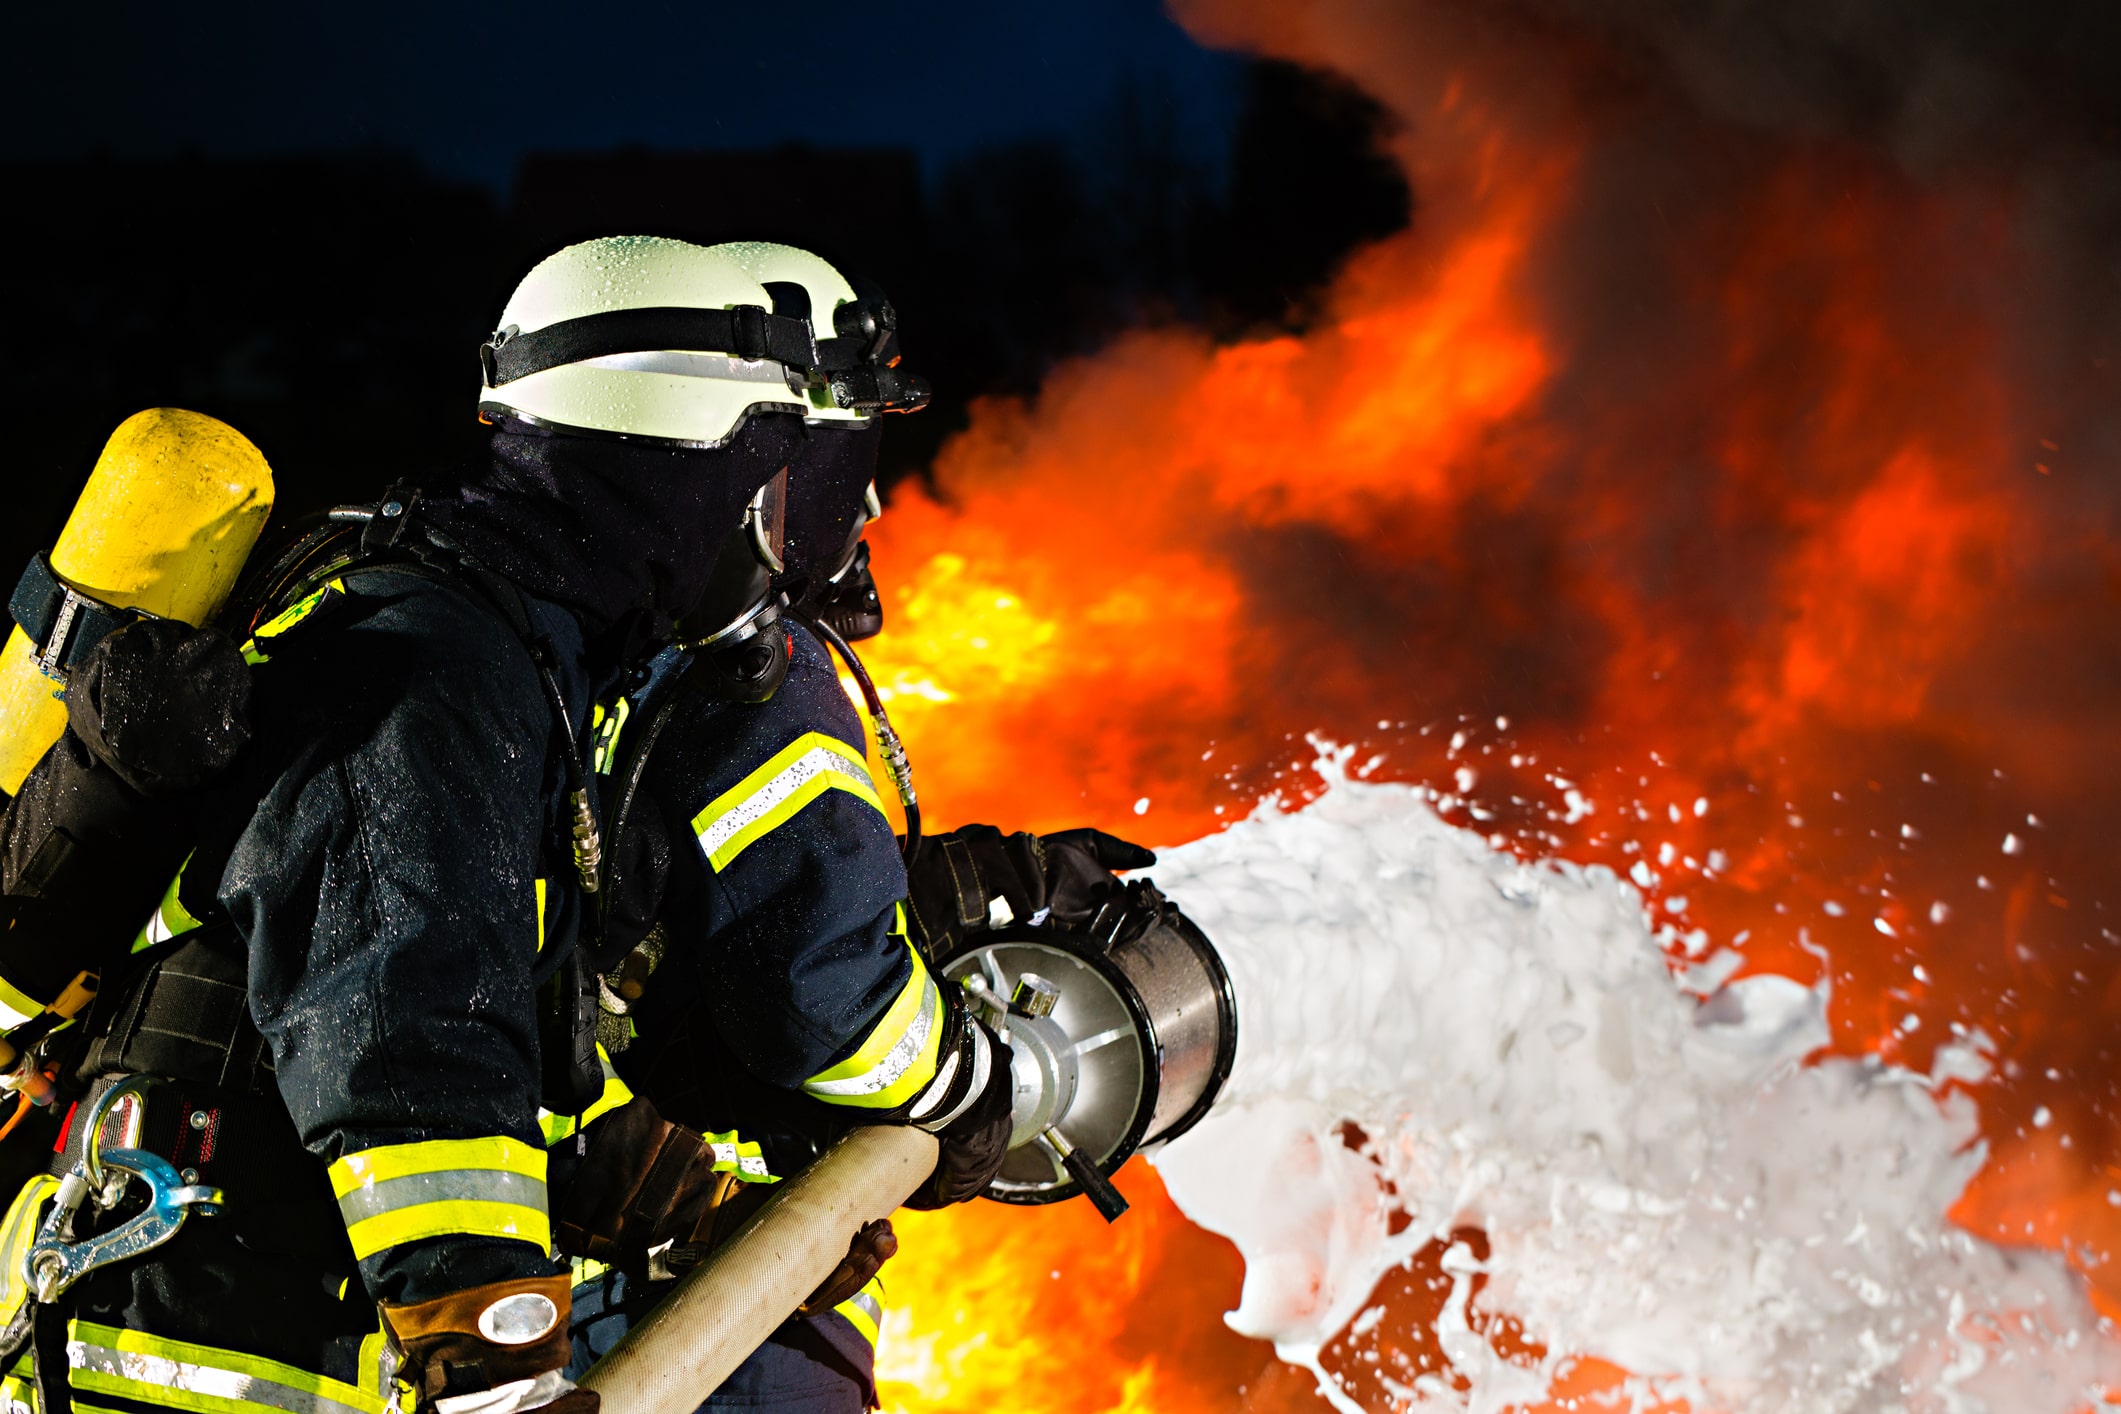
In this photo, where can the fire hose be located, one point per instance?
(1123, 1034)
(724, 1309)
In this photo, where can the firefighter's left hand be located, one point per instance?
(1080, 869)
(646, 1183)
(973, 878)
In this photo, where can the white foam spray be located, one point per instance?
(1664, 1182)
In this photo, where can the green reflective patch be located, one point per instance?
(170, 918)
(286, 619)
(608, 725)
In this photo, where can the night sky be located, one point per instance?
(302, 220)
(469, 88)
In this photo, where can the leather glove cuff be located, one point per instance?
(481, 1338)
(643, 1183)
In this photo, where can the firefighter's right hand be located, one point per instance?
(495, 1349)
(977, 1140)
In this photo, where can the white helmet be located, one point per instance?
(856, 333)
(639, 336)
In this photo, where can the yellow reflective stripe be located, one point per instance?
(18, 1233)
(865, 1310)
(557, 1127)
(537, 887)
(170, 918)
(733, 1153)
(369, 1363)
(16, 1005)
(177, 1374)
(897, 1059)
(492, 1187)
(587, 1269)
(615, 1091)
(388, 1161)
(764, 800)
(450, 1218)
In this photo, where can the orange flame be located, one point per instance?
(1723, 550)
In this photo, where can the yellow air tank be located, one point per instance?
(168, 516)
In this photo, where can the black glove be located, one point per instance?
(1080, 864)
(957, 880)
(977, 1140)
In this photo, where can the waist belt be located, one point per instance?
(186, 1016)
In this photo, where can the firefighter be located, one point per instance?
(766, 977)
(332, 1043)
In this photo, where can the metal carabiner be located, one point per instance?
(92, 1137)
(57, 1260)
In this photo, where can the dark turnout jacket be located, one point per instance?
(764, 884)
(373, 900)
(337, 999)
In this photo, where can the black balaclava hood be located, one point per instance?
(621, 533)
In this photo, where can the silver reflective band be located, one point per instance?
(183, 1377)
(442, 1186)
(898, 1060)
(982, 1067)
(695, 365)
(519, 1319)
(937, 1088)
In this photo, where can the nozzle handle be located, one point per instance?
(1103, 1196)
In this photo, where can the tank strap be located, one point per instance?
(63, 624)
